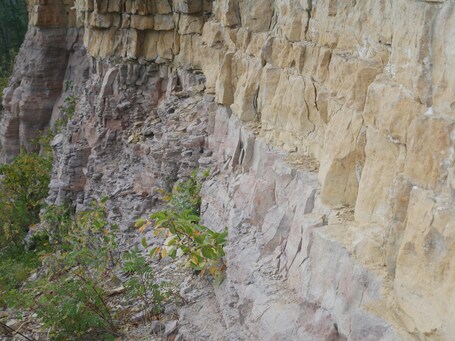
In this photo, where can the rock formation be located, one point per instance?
(328, 125)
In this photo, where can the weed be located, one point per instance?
(141, 283)
(16, 267)
(180, 225)
(72, 297)
(67, 110)
(23, 188)
(72, 300)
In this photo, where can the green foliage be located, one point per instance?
(6, 69)
(88, 241)
(74, 307)
(141, 283)
(23, 188)
(185, 236)
(80, 263)
(68, 109)
(16, 267)
(71, 300)
(13, 26)
(56, 221)
(24, 183)
(180, 225)
(185, 195)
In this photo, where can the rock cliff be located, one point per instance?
(328, 126)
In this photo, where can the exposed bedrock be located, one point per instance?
(29, 100)
(329, 127)
(38, 78)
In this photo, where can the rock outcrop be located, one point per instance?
(39, 71)
(328, 125)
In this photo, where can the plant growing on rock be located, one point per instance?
(15, 268)
(23, 188)
(82, 266)
(6, 70)
(180, 226)
(67, 110)
(141, 283)
(185, 236)
(56, 220)
(24, 183)
(73, 300)
(75, 306)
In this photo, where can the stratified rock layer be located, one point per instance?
(332, 131)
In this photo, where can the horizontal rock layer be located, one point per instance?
(331, 125)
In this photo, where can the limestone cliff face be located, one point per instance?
(38, 75)
(330, 126)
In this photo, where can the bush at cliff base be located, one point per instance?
(23, 188)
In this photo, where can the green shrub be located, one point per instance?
(75, 306)
(23, 188)
(141, 284)
(16, 266)
(56, 220)
(186, 195)
(13, 26)
(67, 110)
(24, 183)
(72, 298)
(179, 224)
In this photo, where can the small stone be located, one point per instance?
(179, 337)
(140, 317)
(185, 290)
(57, 140)
(13, 324)
(116, 291)
(209, 98)
(157, 327)
(170, 309)
(33, 277)
(171, 327)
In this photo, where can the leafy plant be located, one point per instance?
(180, 225)
(75, 306)
(142, 284)
(23, 188)
(185, 196)
(67, 110)
(24, 183)
(16, 267)
(56, 220)
(185, 236)
(13, 25)
(72, 299)
(92, 231)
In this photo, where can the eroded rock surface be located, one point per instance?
(329, 128)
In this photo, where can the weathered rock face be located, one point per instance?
(332, 130)
(38, 75)
(129, 140)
